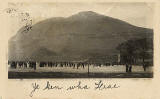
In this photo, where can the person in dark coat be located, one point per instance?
(127, 67)
(144, 66)
(130, 68)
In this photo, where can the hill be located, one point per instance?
(78, 37)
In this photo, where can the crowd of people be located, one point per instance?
(75, 65)
(33, 64)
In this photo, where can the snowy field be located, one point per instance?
(92, 69)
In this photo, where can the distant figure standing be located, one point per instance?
(126, 67)
(144, 66)
(130, 68)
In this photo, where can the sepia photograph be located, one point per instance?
(80, 40)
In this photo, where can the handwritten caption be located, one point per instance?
(98, 85)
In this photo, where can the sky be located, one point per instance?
(138, 14)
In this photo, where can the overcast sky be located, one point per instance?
(139, 14)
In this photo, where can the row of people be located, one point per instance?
(22, 64)
(33, 64)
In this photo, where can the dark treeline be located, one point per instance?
(137, 52)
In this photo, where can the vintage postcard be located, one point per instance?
(113, 41)
(50, 43)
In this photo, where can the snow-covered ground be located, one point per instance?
(102, 69)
